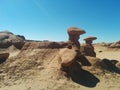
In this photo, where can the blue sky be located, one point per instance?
(49, 19)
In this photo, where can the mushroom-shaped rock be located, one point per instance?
(74, 34)
(88, 48)
(75, 31)
(3, 57)
(90, 38)
(67, 56)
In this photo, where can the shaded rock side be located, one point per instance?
(3, 57)
(88, 51)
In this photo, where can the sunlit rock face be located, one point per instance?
(69, 54)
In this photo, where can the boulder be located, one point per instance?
(7, 39)
(67, 56)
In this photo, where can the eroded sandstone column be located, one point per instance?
(69, 54)
(88, 49)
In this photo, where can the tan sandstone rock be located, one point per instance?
(75, 31)
(67, 56)
(74, 35)
(90, 38)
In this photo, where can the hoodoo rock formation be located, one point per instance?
(69, 54)
(88, 49)
(74, 35)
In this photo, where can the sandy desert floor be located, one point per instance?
(109, 53)
(45, 78)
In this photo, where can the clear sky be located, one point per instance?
(49, 19)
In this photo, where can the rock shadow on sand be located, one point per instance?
(82, 77)
(111, 65)
(2, 60)
(83, 60)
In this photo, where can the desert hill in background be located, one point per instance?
(34, 65)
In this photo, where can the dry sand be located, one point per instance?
(109, 53)
(39, 71)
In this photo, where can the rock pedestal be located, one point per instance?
(88, 49)
(74, 35)
(69, 54)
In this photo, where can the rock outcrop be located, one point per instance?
(7, 39)
(43, 45)
(69, 54)
(115, 45)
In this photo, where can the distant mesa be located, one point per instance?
(8, 38)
